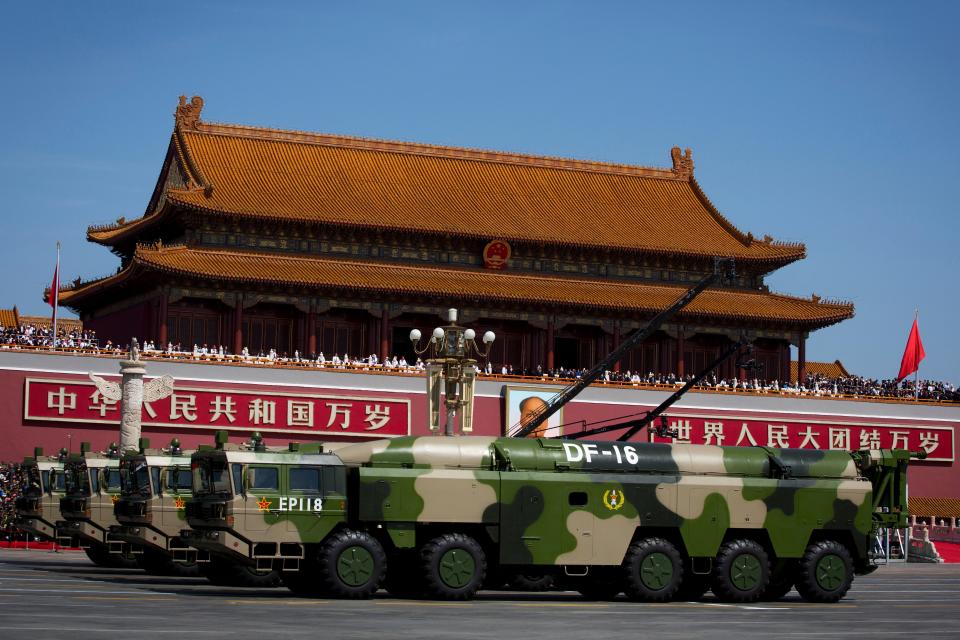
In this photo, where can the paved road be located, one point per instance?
(47, 595)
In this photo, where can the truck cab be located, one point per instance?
(92, 482)
(151, 511)
(259, 508)
(39, 506)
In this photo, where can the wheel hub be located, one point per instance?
(656, 570)
(355, 566)
(745, 572)
(457, 568)
(830, 572)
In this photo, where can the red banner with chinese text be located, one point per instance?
(207, 408)
(937, 441)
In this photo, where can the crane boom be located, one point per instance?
(635, 425)
(723, 268)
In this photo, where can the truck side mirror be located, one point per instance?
(164, 480)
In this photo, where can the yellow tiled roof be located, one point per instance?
(65, 324)
(833, 369)
(390, 280)
(318, 178)
(8, 317)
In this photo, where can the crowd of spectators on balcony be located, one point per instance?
(867, 387)
(34, 335)
(813, 385)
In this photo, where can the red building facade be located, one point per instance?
(262, 238)
(48, 400)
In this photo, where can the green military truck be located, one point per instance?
(38, 507)
(92, 482)
(230, 484)
(436, 515)
(155, 493)
(151, 511)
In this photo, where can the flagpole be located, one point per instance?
(916, 374)
(56, 297)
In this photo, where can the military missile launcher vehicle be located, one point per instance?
(38, 507)
(435, 515)
(151, 511)
(92, 482)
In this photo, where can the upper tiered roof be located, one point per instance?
(273, 175)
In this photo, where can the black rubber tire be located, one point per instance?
(303, 581)
(100, 555)
(530, 582)
(741, 572)
(351, 564)
(227, 574)
(453, 567)
(825, 573)
(157, 563)
(782, 578)
(652, 570)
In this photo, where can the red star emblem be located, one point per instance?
(179, 502)
(114, 499)
(263, 504)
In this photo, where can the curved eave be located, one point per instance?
(371, 279)
(112, 235)
(788, 252)
(77, 296)
(195, 201)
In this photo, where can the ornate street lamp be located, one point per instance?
(453, 356)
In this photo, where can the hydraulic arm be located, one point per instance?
(723, 269)
(634, 426)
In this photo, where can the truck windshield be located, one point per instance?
(111, 475)
(53, 481)
(210, 476)
(35, 485)
(135, 478)
(76, 479)
(179, 479)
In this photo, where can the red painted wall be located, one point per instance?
(122, 325)
(19, 436)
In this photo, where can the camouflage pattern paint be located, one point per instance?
(38, 508)
(263, 507)
(153, 516)
(556, 503)
(93, 487)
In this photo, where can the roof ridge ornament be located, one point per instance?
(187, 114)
(682, 162)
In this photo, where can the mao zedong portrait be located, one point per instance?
(529, 409)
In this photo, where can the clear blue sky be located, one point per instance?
(834, 124)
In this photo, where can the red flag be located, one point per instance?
(913, 354)
(54, 286)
